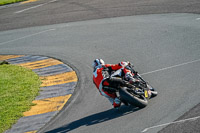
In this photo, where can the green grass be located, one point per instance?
(4, 2)
(18, 88)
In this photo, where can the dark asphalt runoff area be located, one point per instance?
(46, 12)
(161, 38)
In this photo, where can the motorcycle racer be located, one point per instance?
(105, 80)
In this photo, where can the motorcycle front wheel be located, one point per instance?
(153, 91)
(140, 102)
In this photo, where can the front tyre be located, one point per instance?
(153, 91)
(140, 102)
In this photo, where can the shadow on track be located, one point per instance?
(95, 119)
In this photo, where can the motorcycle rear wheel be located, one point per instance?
(140, 102)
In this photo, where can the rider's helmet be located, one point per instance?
(98, 63)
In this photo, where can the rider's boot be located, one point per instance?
(117, 103)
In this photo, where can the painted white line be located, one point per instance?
(52, 1)
(35, 6)
(162, 69)
(29, 8)
(27, 36)
(180, 121)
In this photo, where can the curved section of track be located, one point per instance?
(58, 83)
(46, 12)
(165, 48)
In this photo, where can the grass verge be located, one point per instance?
(4, 2)
(18, 88)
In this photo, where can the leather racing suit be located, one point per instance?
(102, 79)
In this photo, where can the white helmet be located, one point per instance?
(98, 63)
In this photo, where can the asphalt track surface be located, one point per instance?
(163, 47)
(45, 12)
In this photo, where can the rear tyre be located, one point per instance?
(140, 102)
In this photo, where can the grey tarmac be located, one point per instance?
(151, 42)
